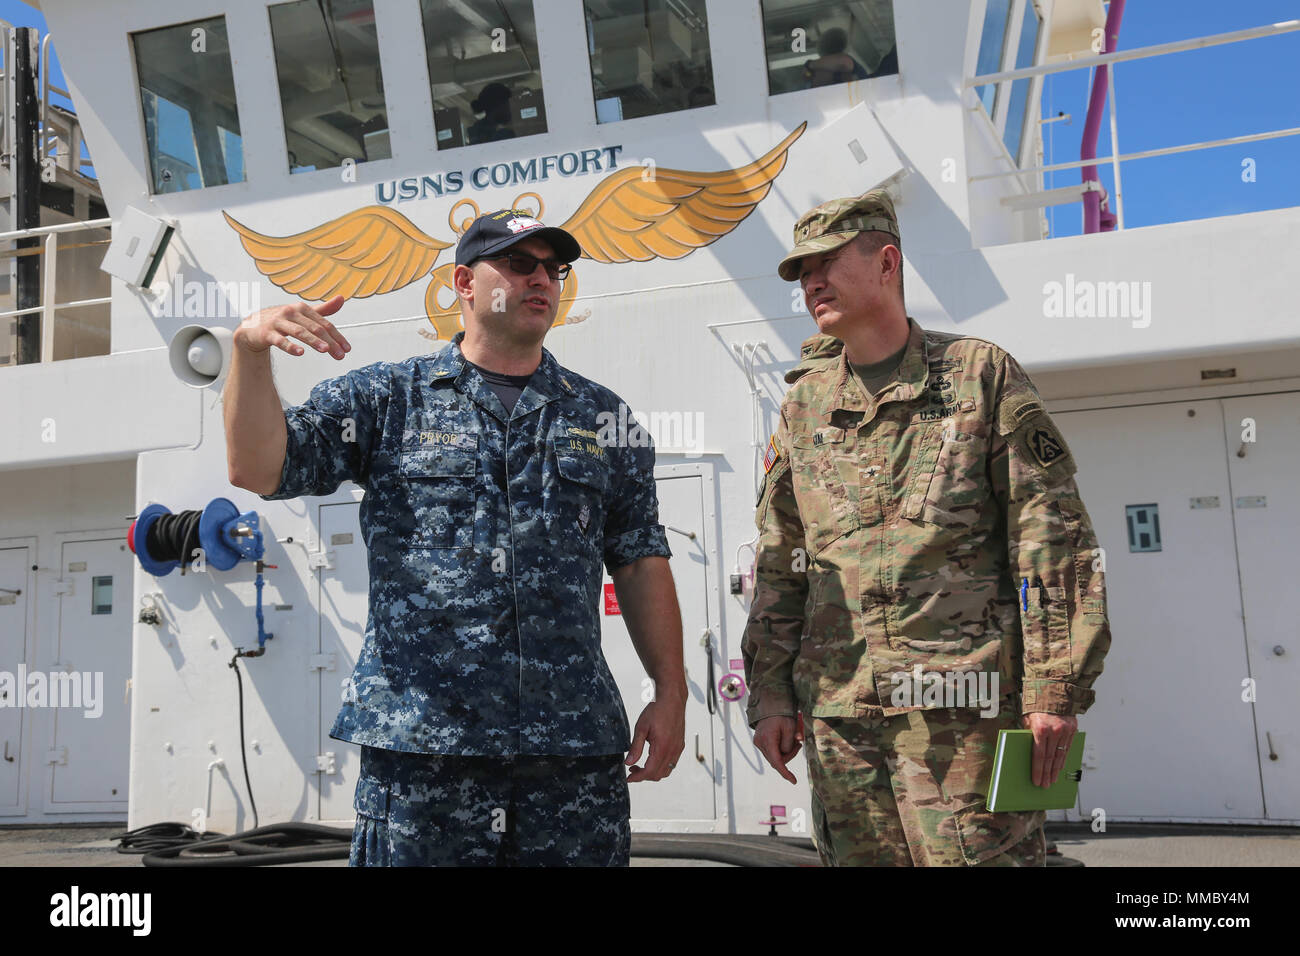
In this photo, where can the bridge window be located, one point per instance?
(483, 70)
(648, 57)
(331, 84)
(820, 44)
(1030, 26)
(187, 96)
(997, 21)
(1009, 41)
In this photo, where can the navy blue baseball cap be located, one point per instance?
(495, 232)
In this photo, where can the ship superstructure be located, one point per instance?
(299, 149)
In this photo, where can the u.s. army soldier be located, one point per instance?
(920, 530)
(491, 728)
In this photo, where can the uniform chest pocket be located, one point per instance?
(439, 489)
(576, 504)
(950, 486)
(818, 462)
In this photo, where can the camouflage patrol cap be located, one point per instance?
(834, 223)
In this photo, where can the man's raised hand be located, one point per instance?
(278, 325)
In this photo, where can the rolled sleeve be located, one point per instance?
(635, 545)
(632, 528)
(330, 435)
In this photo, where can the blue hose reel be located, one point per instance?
(224, 536)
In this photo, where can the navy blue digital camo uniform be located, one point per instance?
(486, 531)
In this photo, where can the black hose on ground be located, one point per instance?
(159, 836)
(306, 843)
(265, 846)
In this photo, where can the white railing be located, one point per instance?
(1196, 43)
(6, 105)
(51, 127)
(55, 127)
(48, 306)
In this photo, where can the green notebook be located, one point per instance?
(1012, 786)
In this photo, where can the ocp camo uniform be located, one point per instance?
(935, 523)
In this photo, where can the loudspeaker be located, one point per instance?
(200, 356)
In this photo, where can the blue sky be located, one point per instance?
(1195, 96)
(1230, 90)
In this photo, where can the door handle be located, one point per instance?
(698, 756)
(8, 759)
(711, 690)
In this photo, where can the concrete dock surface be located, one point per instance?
(1122, 845)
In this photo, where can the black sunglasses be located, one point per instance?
(524, 265)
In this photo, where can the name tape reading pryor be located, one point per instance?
(450, 439)
(105, 910)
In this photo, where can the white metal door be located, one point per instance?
(1262, 443)
(14, 591)
(89, 756)
(1169, 735)
(689, 794)
(344, 601)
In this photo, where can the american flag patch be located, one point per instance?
(772, 455)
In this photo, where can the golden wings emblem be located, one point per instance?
(633, 215)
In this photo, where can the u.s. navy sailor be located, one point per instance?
(921, 531)
(491, 727)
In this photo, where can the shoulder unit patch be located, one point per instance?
(1044, 449)
(1044, 444)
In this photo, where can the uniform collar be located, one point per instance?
(549, 381)
(910, 382)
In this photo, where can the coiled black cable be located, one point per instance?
(160, 836)
(175, 844)
(265, 846)
(174, 537)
